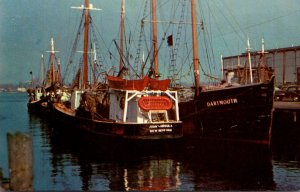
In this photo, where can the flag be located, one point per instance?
(170, 40)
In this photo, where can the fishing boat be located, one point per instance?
(35, 99)
(42, 95)
(139, 109)
(227, 112)
(36, 94)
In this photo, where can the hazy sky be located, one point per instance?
(26, 27)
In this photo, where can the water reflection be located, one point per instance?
(228, 166)
(286, 153)
(285, 133)
(78, 163)
(114, 167)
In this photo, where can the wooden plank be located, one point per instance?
(20, 161)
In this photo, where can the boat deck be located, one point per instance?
(286, 106)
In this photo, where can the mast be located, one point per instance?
(85, 45)
(122, 36)
(195, 49)
(52, 61)
(58, 70)
(31, 74)
(52, 51)
(95, 66)
(262, 70)
(154, 33)
(238, 68)
(42, 68)
(249, 59)
(86, 7)
(222, 67)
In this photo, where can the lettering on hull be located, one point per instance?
(222, 102)
(160, 128)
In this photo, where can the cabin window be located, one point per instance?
(158, 116)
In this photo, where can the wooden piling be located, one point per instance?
(20, 161)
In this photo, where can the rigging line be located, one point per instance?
(49, 63)
(96, 31)
(205, 40)
(270, 20)
(97, 44)
(75, 44)
(148, 49)
(108, 53)
(128, 64)
(207, 36)
(162, 11)
(159, 47)
(147, 58)
(174, 50)
(206, 48)
(162, 4)
(273, 19)
(187, 48)
(210, 39)
(129, 43)
(264, 22)
(111, 55)
(219, 30)
(140, 24)
(185, 61)
(166, 29)
(238, 34)
(161, 43)
(206, 51)
(235, 20)
(135, 27)
(74, 32)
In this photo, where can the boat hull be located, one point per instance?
(239, 114)
(124, 131)
(40, 106)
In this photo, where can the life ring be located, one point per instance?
(155, 103)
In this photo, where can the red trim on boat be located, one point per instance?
(155, 103)
(138, 84)
(159, 84)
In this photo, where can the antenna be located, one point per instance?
(249, 57)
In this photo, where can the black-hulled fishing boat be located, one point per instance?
(231, 113)
(139, 109)
(36, 99)
(131, 112)
(242, 113)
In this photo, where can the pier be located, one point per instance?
(284, 106)
(286, 122)
(286, 113)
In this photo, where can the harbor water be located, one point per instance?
(64, 160)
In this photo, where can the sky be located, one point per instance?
(26, 27)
